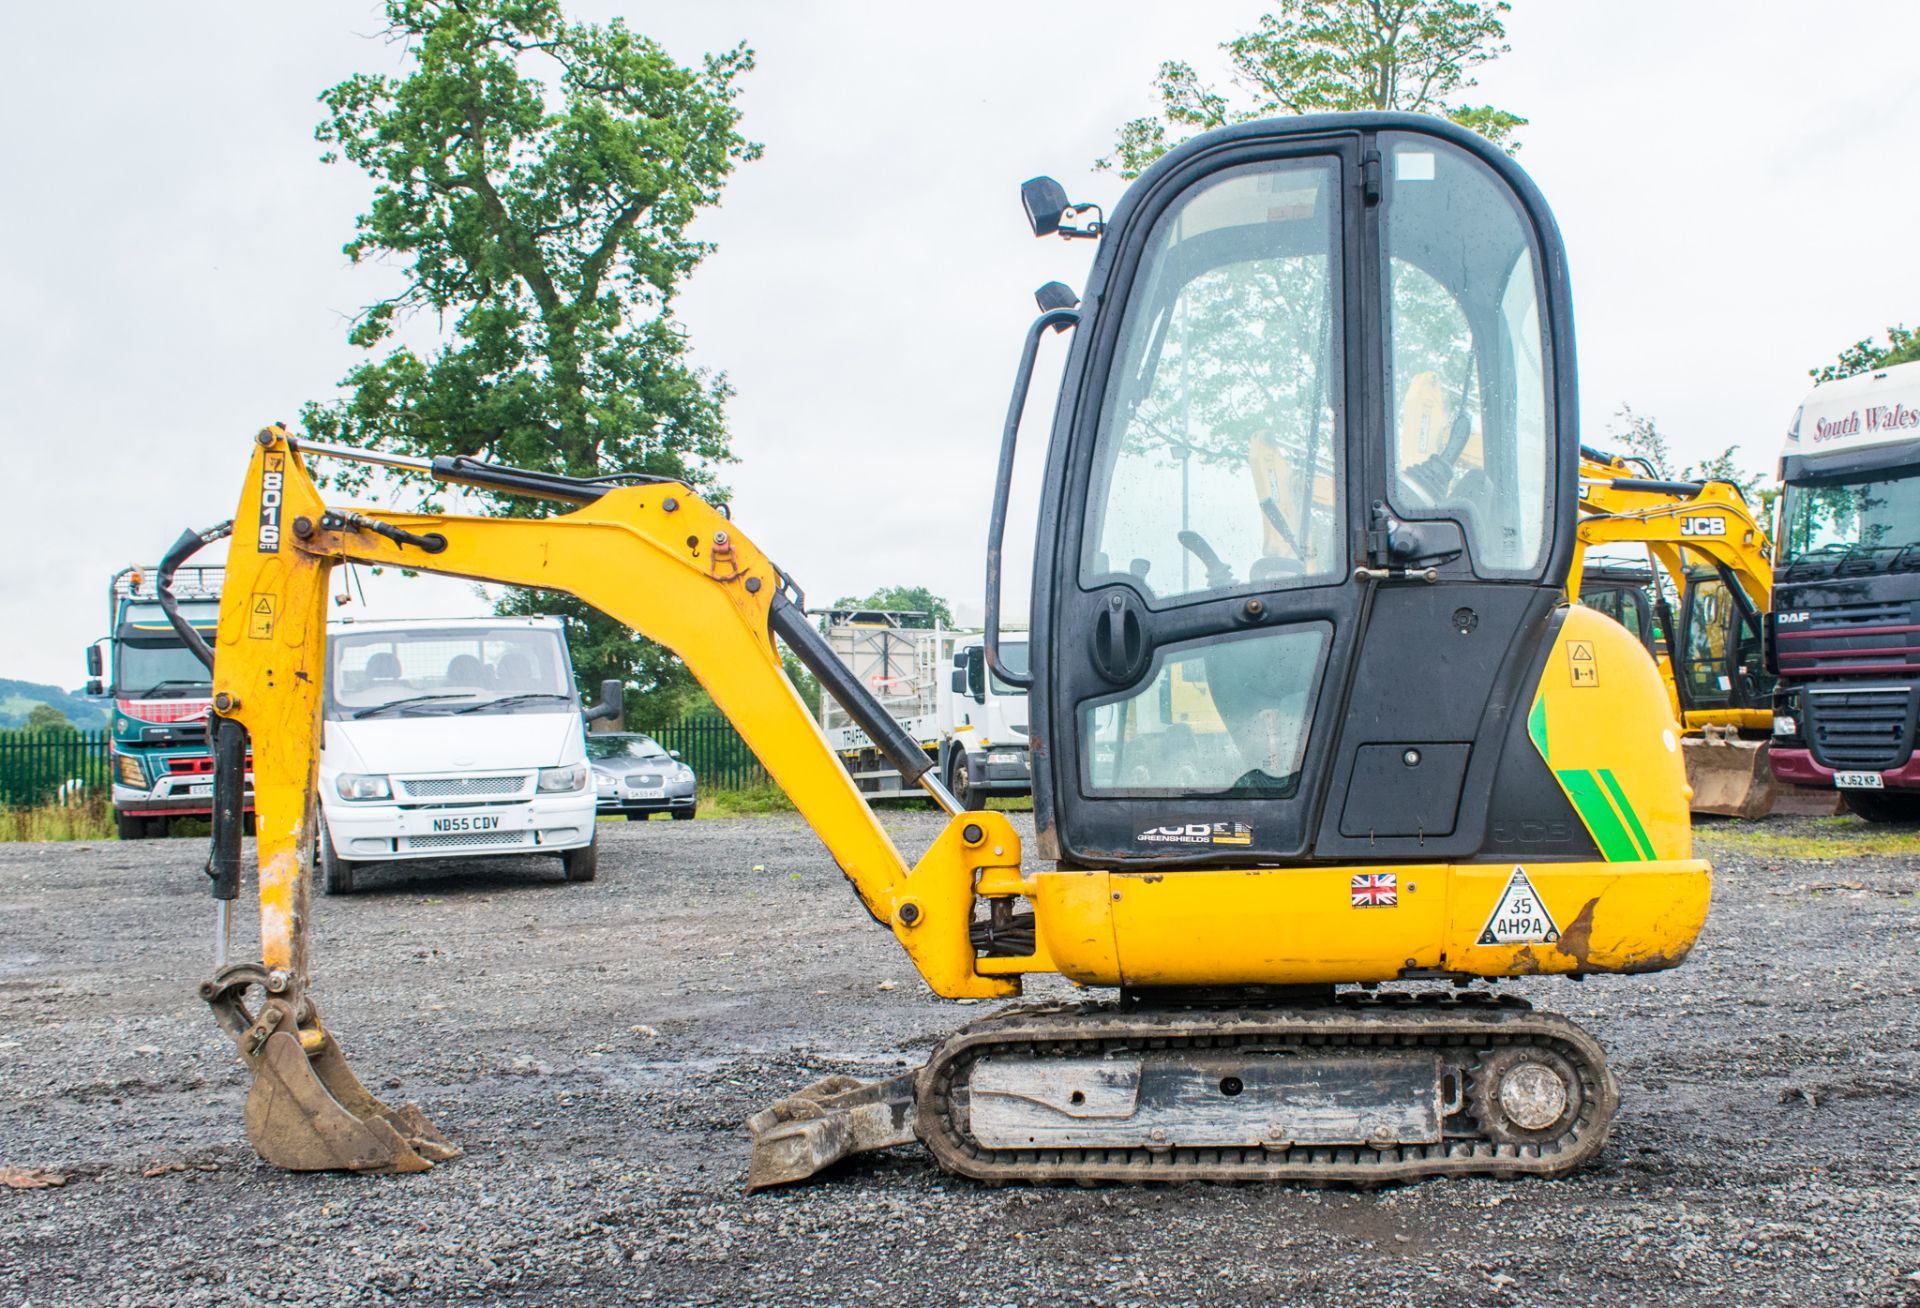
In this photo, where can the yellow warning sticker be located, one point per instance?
(1580, 663)
(260, 616)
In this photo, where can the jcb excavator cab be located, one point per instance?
(1315, 452)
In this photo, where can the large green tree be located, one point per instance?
(1320, 56)
(534, 181)
(1903, 346)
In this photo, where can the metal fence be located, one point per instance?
(713, 749)
(34, 765)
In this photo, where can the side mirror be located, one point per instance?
(959, 682)
(1046, 203)
(612, 702)
(96, 687)
(96, 666)
(673, 753)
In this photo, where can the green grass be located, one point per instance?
(754, 802)
(90, 820)
(1834, 837)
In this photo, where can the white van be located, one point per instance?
(455, 737)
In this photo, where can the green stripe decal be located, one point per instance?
(1537, 724)
(1626, 811)
(1616, 846)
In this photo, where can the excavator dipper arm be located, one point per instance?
(653, 556)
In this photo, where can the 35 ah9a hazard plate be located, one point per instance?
(1858, 781)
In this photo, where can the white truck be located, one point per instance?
(935, 683)
(454, 737)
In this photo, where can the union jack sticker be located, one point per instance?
(1376, 890)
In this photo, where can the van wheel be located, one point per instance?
(959, 782)
(336, 873)
(130, 826)
(582, 864)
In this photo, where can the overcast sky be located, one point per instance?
(1733, 182)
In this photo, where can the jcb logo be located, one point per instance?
(272, 487)
(1708, 524)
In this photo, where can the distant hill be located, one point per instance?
(17, 699)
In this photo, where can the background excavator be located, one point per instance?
(1290, 746)
(1697, 607)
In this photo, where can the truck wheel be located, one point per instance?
(336, 873)
(130, 826)
(958, 780)
(582, 864)
(1883, 805)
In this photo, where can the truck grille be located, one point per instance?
(1867, 639)
(1865, 729)
(470, 840)
(463, 787)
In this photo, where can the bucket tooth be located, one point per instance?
(808, 1132)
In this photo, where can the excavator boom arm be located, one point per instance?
(653, 556)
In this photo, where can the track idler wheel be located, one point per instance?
(306, 1110)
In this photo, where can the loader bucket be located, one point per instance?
(1730, 776)
(306, 1110)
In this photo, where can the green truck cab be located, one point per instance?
(161, 700)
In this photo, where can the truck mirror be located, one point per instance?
(95, 666)
(95, 687)
(612, 702)
(959, 680)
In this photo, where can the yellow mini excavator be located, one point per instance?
(1311, 717)
(1704, 547)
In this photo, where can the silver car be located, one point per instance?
(633, 775)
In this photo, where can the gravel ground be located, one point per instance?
(595, 1049)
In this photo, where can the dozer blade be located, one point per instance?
(1730, 776)
(808, 1132)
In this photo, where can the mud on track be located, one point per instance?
(595, 1048)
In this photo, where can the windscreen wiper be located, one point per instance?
(403, 703)
(159, 686)
(527, 698)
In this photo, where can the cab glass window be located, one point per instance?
(1467, 434)
(1218, 462)
(1221, 717)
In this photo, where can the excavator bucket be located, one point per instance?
(1730, 776)
(306, 1111)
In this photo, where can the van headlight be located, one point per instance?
(362, 785)
(558, 781)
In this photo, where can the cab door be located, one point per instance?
(1289, 417)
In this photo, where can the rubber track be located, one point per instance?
(1470, 1027)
